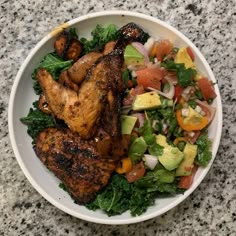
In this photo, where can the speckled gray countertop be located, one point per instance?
(211, 209)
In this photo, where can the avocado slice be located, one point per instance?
(182, 56)
(137, 149)
(133, 57)
(146, 101)
(185, 167)
(171, 157)
(161, 140)
(127, 124)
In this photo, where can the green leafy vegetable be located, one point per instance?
(120, 196)
(204, 154)
(101, 35)
(137, 149)
(147, 132)
(192, 103)
(36, 121)
(159, 181)
(54, 65)
(126, 76)
(157, 176)
(181, 146)
(163, 115)
(155, 149)
(165, 188)
(184, 75)
(73, 33)
(173, 124)
(198, 94)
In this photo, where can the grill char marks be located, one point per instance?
(75, 162)
(82, 110)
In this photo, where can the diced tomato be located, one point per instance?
(128, 100)
(162, 48)
(185, 182)
(130, 84)
(190, 53)
(150, 77)
(206, 88)
(178, 92)
(139, 89)
(136, 173)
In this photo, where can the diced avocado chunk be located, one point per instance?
(133, 57)
(171, 157)
(185, 167)
(127, 124)
(137, 149)
(161, 140)
(146, 101)
(182, 56)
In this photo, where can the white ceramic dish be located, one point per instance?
(22, 96)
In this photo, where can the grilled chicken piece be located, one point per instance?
(82, 112)
(75, 162)
(109, 47)
(67, 47)
(115, 147)
(80, 68)
(67, 105)
(130, 33)
(43, 104)
(65, 80)
(74, 50)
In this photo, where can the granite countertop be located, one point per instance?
(211, 209)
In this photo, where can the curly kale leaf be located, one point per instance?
(120, 196)
(100, 36)
(54, 65)
(36, 121)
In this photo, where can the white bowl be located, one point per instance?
(22, 96)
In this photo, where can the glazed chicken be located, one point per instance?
(75, 162)
(87, 98)
(82, 111)
(78, 71)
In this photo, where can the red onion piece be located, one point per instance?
(194, 138)
(140, 47)
(141, 118)
(187, 92)
(209, 110)
(171, 78)
(169, 94)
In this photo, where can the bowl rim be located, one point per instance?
(56, 203)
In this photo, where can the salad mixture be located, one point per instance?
(165, 111)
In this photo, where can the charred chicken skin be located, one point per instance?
(75, 162)
(87, 98)
(82, 111)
